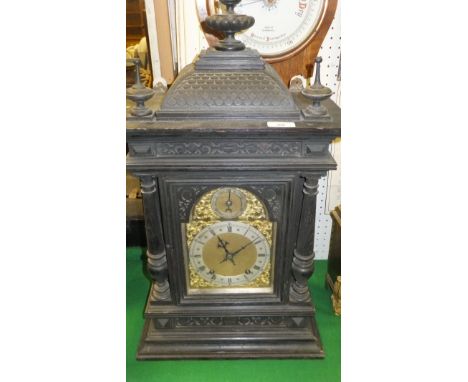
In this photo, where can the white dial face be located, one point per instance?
(280, 25)
(229, 253)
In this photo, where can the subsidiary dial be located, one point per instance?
(228, 203)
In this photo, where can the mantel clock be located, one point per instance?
(229, 161)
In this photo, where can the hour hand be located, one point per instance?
(222, 244)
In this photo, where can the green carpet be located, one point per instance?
(326, 370)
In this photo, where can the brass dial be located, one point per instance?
(229, 253)
(228, 203)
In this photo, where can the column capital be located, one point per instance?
(147, 184)
(310, 187)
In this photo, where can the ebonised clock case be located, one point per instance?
(282, 166)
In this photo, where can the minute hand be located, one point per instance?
(242, 248)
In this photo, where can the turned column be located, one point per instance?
(303, 260)
(156, 252)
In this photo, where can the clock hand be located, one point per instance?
(229, 203)
(222, 244)
(242, 4)
(228, 255)
(242, 248)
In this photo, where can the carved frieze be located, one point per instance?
(277, 321)
(223, 148)
(227, 149)
(199, 321)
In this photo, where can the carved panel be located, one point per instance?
(277, 321)
(263, 321)
(141, 149)
(186, 196)
(199, 321)
(163, 323)
(224, 148)
(314, 148)
(273, 196)
(246, 90)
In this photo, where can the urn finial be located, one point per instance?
(317, 93)
(230, 24)
(139, 93)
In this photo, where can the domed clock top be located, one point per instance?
(229, 81)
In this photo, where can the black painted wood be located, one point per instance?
(303, 260)
(179, 160)
(156, 251)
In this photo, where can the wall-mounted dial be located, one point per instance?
(228, 203)
(229, 253)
